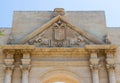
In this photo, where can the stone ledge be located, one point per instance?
(18, 47)
(95, 47)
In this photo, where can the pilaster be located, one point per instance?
(25, 67)
(110, 65)
(9, 66)
(94, 65)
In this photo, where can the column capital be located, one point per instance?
(9, 61)
(26, 61)
(9, 67)
(110, 61)
(95, 66)
(25, 67)
(94, 61)
(110, 66)
(9, 53)
(93, 53)
(26, 54)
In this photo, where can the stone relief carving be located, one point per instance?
(59, 35)
(59, 31)
(10, 39)
(107, 39)
(59, 11)
(79, 40)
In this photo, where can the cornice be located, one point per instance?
(18, 47)
(100, 47)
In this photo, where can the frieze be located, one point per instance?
(55, 63)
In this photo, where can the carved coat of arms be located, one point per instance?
(59, 31)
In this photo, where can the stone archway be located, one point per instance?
(61, 75)
(61, 78)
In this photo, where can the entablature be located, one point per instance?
(59, 50)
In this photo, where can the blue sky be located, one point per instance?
(111, 8)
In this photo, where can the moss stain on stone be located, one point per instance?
(1, 34)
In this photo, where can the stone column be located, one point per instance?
(111, 73)
(111, 66)
(95, 74)
(8, 75)
(17, 71)
(94, 66)
(25, 66)
(8, 70)
(25, 74)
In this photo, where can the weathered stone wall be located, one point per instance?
(114, 35)
(4, 34)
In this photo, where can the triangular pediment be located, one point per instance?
(59, 33)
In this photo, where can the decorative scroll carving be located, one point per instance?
(95, 66)
(79, 40)
(110, 66)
